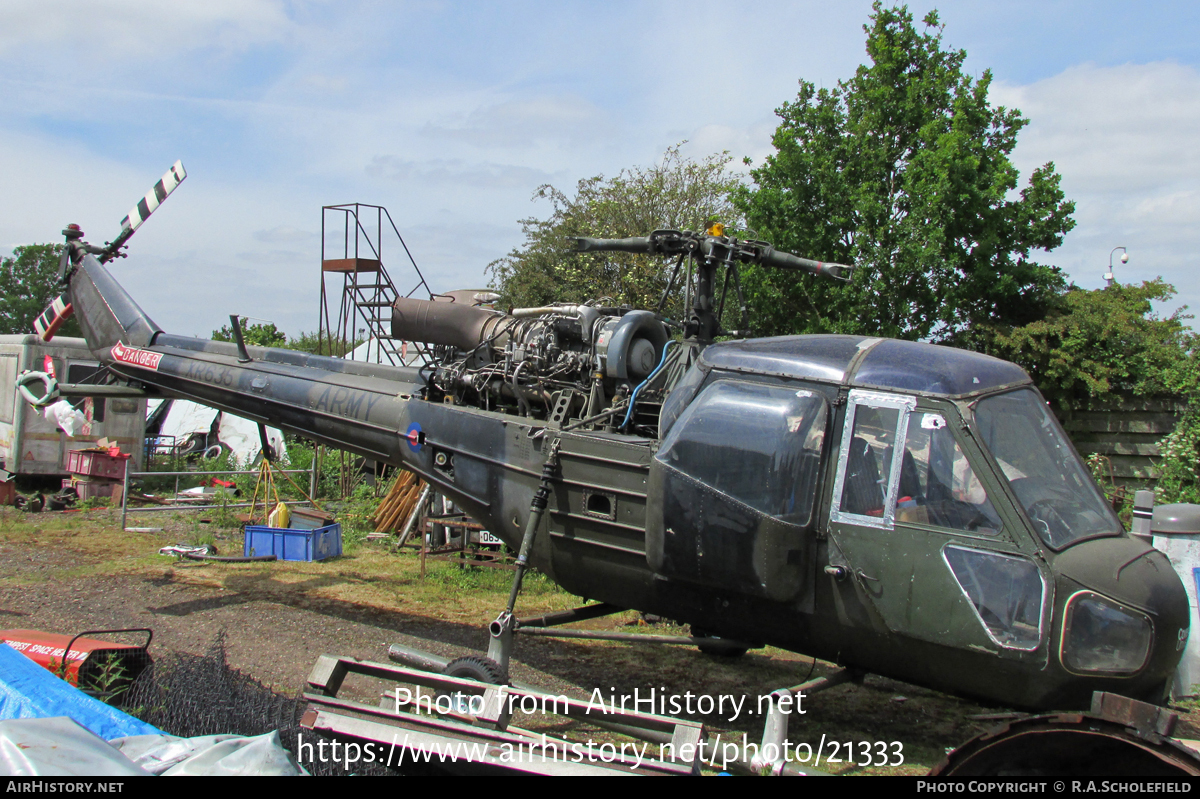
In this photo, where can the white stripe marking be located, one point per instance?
(170, 181)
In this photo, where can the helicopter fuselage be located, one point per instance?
(901, 508)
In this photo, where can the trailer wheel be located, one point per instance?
(474, 667)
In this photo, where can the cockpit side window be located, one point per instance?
(930, 482)
(865, 488)
(937, 484)
(758, 443)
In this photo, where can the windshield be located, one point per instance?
(1050, 481)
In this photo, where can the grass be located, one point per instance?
(90, 543)
(77, 544)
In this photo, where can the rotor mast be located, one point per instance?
(710, 250)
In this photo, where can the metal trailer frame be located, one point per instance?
(397, 724)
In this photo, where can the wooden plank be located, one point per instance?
(1088, 439)
(1159, 426)
(350, 265)
(1154, 404)
(1128, 434)
(1147, 450)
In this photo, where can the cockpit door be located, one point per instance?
(916, 530)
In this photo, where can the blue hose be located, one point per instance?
(633, 397)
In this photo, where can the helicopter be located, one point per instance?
(896, 507)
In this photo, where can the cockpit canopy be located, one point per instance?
(908, 366)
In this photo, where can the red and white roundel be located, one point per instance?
(136, 357)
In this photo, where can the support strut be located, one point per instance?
(501, 630)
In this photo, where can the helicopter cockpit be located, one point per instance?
(932, 482)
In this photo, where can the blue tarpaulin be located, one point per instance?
(28, 691)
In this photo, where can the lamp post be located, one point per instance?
(1124, 259)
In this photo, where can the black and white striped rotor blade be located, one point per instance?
(141, 212)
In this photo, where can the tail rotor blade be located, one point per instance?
(146, 206)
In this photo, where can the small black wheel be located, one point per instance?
(475, 667)
(717, 646)
(472, 667)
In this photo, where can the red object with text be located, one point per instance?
(88, 657)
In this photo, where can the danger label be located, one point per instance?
(135, 357)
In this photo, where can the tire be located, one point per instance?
(716, 646)
(472, 667)
(477, 668)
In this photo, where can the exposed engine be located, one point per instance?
(580, 365)
(559, 363)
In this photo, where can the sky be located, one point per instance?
(452, 114)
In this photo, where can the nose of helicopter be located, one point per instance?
(1124, 611)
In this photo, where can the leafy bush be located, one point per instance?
(1179, 479)
(1097, 346)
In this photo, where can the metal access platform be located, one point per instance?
(466, 729)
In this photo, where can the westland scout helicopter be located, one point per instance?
(900, 508)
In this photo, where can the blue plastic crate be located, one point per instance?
(287, 544)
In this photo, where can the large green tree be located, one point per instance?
(28, 284)
(676, 193)
(904, 171)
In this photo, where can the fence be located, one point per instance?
(125, 509)
(1127, 435)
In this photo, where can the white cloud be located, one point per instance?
(284, 234)
(1177, 209)
(525, 122)
(753, 141)
(454, 171)
(57, 183)
(1124, 140)
(1114, 129)
(140, 30)
(451, 115)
